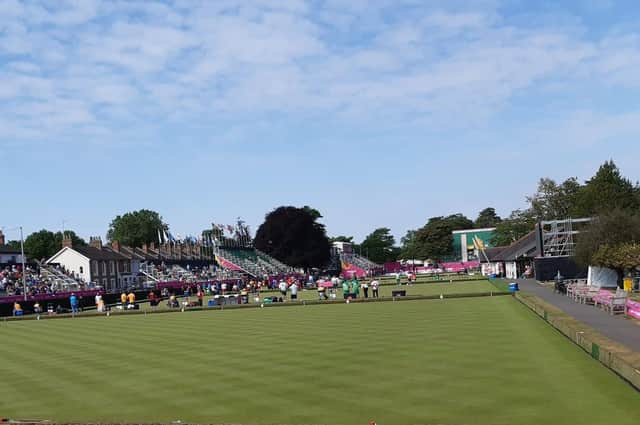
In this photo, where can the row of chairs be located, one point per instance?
(611, 302)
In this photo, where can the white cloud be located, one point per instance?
(99, 64)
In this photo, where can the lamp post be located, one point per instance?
(24, 276)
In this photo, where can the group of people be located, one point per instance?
(351, 288)
(37, 281)
(289, 288)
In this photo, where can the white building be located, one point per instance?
(100, 265)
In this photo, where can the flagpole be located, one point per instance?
(24, 275)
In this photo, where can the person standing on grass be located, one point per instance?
(397, 278)
(131, 298)
(374, 287)
(365, 289)
(152, 299)
(294, 290)
(345, 289)
(200, 295)
(355, 287)
(282, 286)
(73, 300)
(322, 293)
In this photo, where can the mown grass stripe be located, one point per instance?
(480, 360)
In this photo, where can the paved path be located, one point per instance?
(616, 328)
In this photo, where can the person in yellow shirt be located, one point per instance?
(123, 298)
(131, 298)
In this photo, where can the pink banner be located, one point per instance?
(351, 270)
(633, 309)
(44, 297)
(226, 264)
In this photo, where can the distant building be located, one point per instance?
(511, 261)
(9, 255)
(101, 265)
(343, 247)
(467, 244)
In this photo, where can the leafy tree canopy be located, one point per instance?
(14, 245)
(136, 228)
(517, 225)
(554, 201)
(379, 246)
(487, 218)
(605, 191)
(44, 243)
(348, 239)
(434, 239)
(293, 236)
(612, 229)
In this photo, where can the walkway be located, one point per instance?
(616, 328)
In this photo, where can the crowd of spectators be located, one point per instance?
(38, 280)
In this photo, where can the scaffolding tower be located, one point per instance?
(556, 237)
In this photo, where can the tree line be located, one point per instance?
(294, 235)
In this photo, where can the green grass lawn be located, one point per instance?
(432, 288)
(457, 361)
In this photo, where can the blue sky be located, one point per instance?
(380, 113)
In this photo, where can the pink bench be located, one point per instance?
(633, 309)
(612, 302)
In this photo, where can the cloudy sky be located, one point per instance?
(378, 113)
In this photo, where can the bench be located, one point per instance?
(399, 293)
(612, 303)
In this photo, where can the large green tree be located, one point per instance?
(553, 201)
(517, 225)
(14, 244)
(379, 246)
(487, 218)
(293, 236)
(607, 190)
(434, 240)
(44, 243)
(623, 258)
(136, 228)
(611, 229)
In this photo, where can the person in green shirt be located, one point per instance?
(355, 287)
(345, 289)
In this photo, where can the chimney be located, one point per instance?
(152, 246)
(67, 242)
(144, 248)
(2, 241)
(96, 242)
(115, 245)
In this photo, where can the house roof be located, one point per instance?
(133, 253)
(526, 246)
(6, 249)
(99, 254)
(492, 253)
